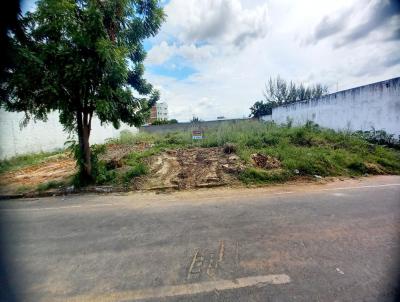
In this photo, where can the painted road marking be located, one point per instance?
(221, 251)
(200, 259)
(339, 194)
(360, 187)
(197, 262)
(184, 289)
(212, 266)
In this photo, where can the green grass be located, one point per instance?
(309, 150)
(136, 170)
(136, 161)
(53, 184)
(303, 151)
(24, 189)
(253, 175)
(22, 161)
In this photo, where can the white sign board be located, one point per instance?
(197, 134)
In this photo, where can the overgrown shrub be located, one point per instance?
(380, 137)
(126, 137)
(302, 150)
(99, 170)
(301, 137)
(358, 166)
(255, 175)
(270, 140)
(49, 185)
(229, 148)
(310, 125)
(136, 170)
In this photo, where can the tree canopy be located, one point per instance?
(83, 58)
(279, 92)
(260, 109)
(164, 122)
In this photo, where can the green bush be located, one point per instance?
(301, 137)
(229, 148)
(358, 166)
(380, 137)
(102, 174)
(255, 175)
(269, 140)
(137, 170)
(164, 122)
(98, 167)
(393, 165)
(49, 185)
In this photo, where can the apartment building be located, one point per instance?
(159, 112)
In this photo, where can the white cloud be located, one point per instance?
(159, 54)
(202, 29)
(230, 76)
(162, 52)
(215, 21)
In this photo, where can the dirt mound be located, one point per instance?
(56, 168)
(265, 161)
(178, 169)
(192, 168)
(374, 168)
(115, 152)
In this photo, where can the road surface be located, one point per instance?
(305, 242)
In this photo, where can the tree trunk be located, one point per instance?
(83, 129)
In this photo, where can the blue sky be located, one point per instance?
(27, 5)
(213, 57)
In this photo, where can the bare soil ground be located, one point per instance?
(115, 152)
(56, 168)
(173, 169)
(192, 168)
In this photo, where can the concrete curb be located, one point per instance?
(99, 189)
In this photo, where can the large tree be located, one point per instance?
(83, 58)
(260, 109)
(279, 92)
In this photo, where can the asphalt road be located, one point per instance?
(333, 242)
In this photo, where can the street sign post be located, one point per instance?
(197, 134)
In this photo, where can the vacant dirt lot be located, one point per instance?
(56, 168)
(192, 168)
(173, 169)
(59, 168)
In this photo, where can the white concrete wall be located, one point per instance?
(363, 108)
(44, 136)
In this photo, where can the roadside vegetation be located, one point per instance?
(287, 153)
(21, 161)
(302, 151)
(165, 122)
